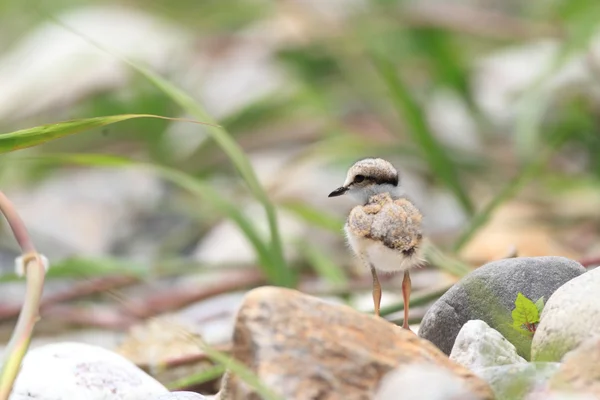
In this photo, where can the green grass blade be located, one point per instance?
(446, 59)
(95, 267)
(270, 266)
(233, 366)
(314, 216)
(284, 276)
(439, 162)
(241, 371)
(197, 378)
(41, 134)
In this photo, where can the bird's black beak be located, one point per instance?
(338, 192)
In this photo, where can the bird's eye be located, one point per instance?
(359, 178)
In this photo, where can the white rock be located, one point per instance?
(79, 371)
(418, 382)
(571, 315)
(479, 346)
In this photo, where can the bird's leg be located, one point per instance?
(376, 290)
(406, 286)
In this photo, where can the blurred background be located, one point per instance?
(489, 109)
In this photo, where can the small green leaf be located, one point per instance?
(540, 305)
(525, 313)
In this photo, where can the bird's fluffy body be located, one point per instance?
(386, 233)
(385, 230)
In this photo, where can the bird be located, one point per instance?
(385, 229)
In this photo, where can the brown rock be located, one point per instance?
(305, 348)
(580, 370)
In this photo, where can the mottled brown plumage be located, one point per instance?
(395, 223)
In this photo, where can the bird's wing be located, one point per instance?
(361, 218)
(398, 225)
(407, 212)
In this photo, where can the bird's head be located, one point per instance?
(368, 177)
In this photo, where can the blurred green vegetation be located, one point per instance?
(380, 64)
(360, 86)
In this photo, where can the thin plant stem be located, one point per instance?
(35, 272)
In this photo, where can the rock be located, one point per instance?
(303, 347)
(180, 396)
(489, 293)
(571, 315)
(70, 370)
(580, 369)
(414, 382)
(517, 381)
(479, 346)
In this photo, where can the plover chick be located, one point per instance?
(384, 231)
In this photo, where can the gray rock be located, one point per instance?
(489, 293)
(414, 383)
(517, 381)
(479, 346)
(571, 315)
(180, 396)
(71, 370)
